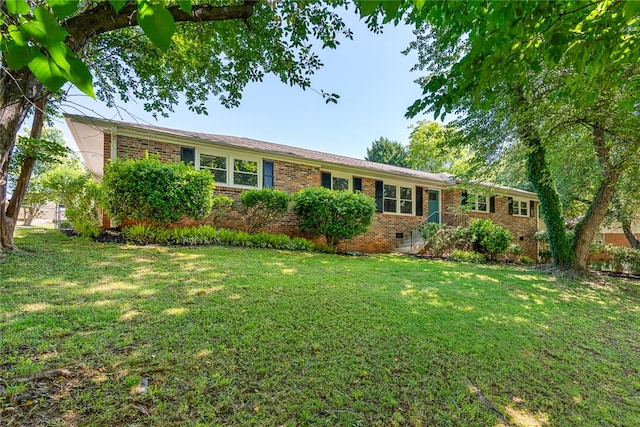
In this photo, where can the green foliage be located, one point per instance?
(439, 239)
(336, 215)
(220, 206)
(150, 190)
(515, 249)
(467, 256)
(487, 238)
(144, 234)
(623, 259)
(262, 207)
(526, 260)
(72, 185)
(386, 151)
(432, 149)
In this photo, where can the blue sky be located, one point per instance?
(370, 74)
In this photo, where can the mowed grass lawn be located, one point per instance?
(105, 334)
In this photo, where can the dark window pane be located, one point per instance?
(250, 180)
(390, 205)
(406, 193)
(390, 191)
(406, 207)
(340, 183)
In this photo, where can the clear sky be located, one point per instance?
(370, 74)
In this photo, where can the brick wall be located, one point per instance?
(292, 177)
(522, 228)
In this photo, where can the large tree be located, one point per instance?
(383, 150)
(218, 47)
(432, 149)
(482, 54)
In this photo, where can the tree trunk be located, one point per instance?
(18, 89)
(588, 227)
(540, 176)
(27, 164)
(628, 232)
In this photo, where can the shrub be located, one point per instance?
(486, 237)
(81, 195)
(545, 256)
(515, 249)
(207, 235)
(624, 259)
(526, 260)
(220, 205)
(150, 190)
(261, 207)
(439, 239)
(336, 215)
(467, 256)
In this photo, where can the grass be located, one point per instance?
(102, 334)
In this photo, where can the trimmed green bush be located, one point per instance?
(145, 234)
(487, 238)
(150, 190)
(261, 207)
(220, 205)
(623, 259)
(467, 256)
(336, 215)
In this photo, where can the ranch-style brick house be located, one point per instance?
(405, 198)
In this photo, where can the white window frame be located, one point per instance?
(232, 160)
(230, 171)
(349, 179)
(399, 198)
(473, 201)
(214, 154)
(515, 200)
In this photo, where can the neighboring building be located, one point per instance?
(405, 198)
(613, 234)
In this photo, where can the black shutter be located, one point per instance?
(267, 174)
(492, 204)
(532, 208)
(463, 200)
(188, 155)
(510, 205)
(357, 184)
(379, 195)
(325, 180)
(419, 192)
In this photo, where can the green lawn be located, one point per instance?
(102, 334)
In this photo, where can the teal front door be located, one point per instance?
(434, 206)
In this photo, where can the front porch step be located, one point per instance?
(405, 246)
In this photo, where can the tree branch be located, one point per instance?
(103, 18)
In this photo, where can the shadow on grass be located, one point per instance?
(169, 336)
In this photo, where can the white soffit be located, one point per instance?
(90, 141)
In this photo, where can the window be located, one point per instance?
(478, 203)
(339, 183)
(519, 207)
(335, 182)
(406, 200)
(397, 199)
(390, 197)
(217, 165)
(232, 171)
(245, 173)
